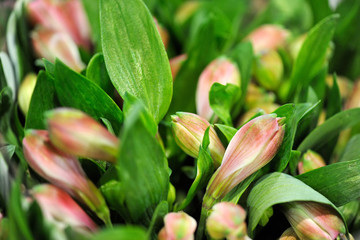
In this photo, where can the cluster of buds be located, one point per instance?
(220, 70)
(189, 130)
(227, 220)
(60, 27)
(310, 161)
(251, 148)
(52, 154)
(314, 221)
(178, 226)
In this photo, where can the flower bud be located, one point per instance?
(25, 92)
(76, 133)
(62, 170)
(354, 100)
(189, 129)
(50, 44)
(58, 207)
(220, 70)
(227, 220)
(263, 108)
(268, 70)
(314, 221)
(256, 96)
(67, 17)
(163, 33)
(310, 161)
(176, 63)
(252, 147)
(289, 234)
(267, 37)
(178, 226)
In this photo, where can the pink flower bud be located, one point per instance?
(176, 63)
(289, 234)
(25, 92)
(67, 17)
(263, 108)
(163, 33)
(57, 206)
(189, 129)
(252, 147)
(267, 37)
(50, 44)
(62, 170)
(76, 133)
(222, 71)
(310, 161)
(314, 221)
(178, 226)
(227, 220)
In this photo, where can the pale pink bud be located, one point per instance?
(62, 16)
(178, 226)
(189, 129)
(62, 170)
(267, 37)
(176, 63)
(310, 161)
(76, 133)
(163, 33)
(289, 234)
(354, 100)
(57, 206)
(50, 44)
(25, 92)
(227, 220)
(220, 70)
(314, 221)
(252, 147)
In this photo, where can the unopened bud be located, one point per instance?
(50, 44)
(58, 207)
(262, 108)
(251, 148)
(257, 96)
(310, 161)
(76, 133)
(176, 63)
(189, 130)
(314, 221)
(267, 37)
(268, 70)
(25, 92)
(222, 71)
(227, 220)
(289, 234)
(178, 226)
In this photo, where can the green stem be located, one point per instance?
(201, 228)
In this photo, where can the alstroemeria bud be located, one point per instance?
(289, 234)
(268, 70)
(76, 133)
(189, 129)
(256, 96)
(252, 147)
(178, 226)
(176, 63)
(62, 16)
(310, 161)
(163, 33)
(267, 37)
(227, 220)
(263, 108)
(222, 71)
(62, 170)
(354, 100)
(50, 44)
(25, 92)
(314, 221)
(58, 207)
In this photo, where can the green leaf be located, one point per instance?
(134, 54)
(74, 90)
(157, 220)
(226, 131)
(7, 76)
(320, 9)
(312, 54)
(339, 182)
(6, 152)
(49, 67)
(42, 100)
(142, 168)
(92, 9)
(277, 188)
(352, 150)
(330, 128)
(121, 232)
(204, 170)
(334, 100)
(6, 111)
(96, 72)
(235, 194)
(222, 99)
